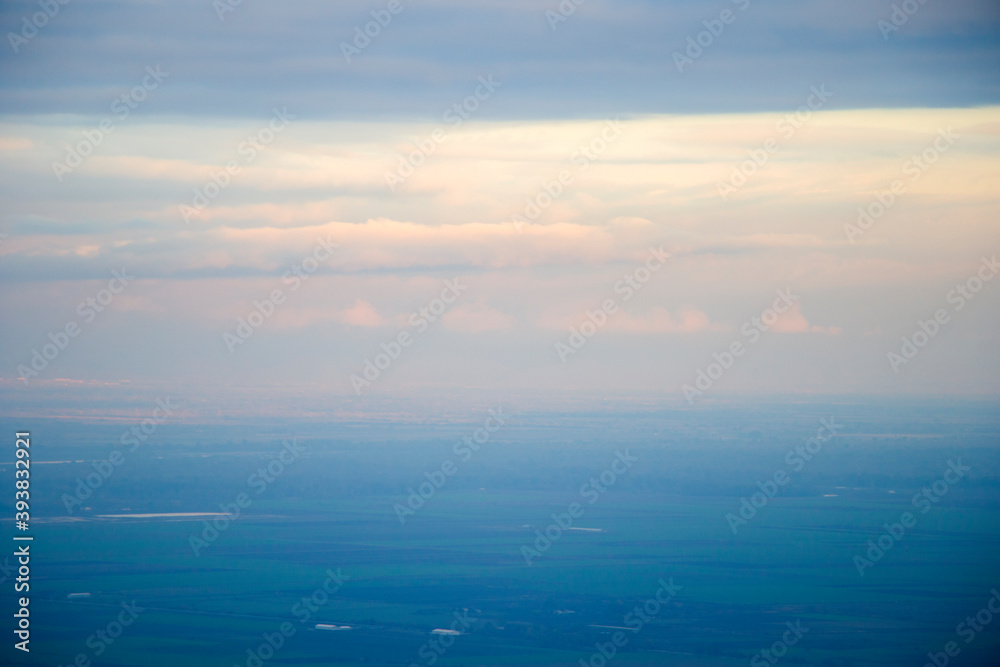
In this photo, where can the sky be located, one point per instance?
(500, 196)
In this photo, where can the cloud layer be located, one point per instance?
(533, 162)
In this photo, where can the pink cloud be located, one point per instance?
(793, 321)
(361, 314)
(660, 320)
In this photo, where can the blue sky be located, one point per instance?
(606, 58)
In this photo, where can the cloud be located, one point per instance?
(15, 143)
(361, 314)
(793, 321)
(659, 320)
(300, 313)
(601, 60)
